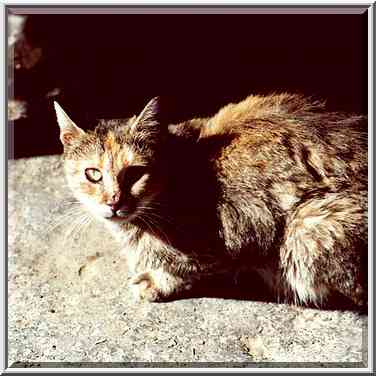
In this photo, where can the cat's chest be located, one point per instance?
(142, 251)
(124, 235)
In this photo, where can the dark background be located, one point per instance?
(111, 65)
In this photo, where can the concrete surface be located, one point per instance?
(69, 302)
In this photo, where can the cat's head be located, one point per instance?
(115, 170)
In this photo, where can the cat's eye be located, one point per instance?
(93, 175)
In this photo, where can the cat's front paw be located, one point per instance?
(157, 286)
(144, 288)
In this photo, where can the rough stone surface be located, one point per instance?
(69, 301)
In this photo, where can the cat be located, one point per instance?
(274, 185)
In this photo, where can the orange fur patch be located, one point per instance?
(254, 108)
(87, 188)
(110, 141)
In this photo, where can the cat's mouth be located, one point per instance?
(116, 218)
(121, 218)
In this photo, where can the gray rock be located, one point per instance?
(69, 301)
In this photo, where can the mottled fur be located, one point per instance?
(275, 184)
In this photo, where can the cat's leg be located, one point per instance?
(152, 280)
(324, 248)
(159, 285)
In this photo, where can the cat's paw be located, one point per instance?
(144, 288)
(158, 285)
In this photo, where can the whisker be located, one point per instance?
(82, 226)
(148, 226)
(62, 219)
(73, 203)
(71, 227)
(74, 227)
(159, 229)
(75, 219)
(77, 228)
(165, 218)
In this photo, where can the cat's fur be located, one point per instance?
(273, 184)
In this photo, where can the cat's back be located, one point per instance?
(288, 140)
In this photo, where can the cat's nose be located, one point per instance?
(114, 202)
(113, 208)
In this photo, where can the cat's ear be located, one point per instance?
(69, 132)
(147, 122)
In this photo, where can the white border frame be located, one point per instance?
(3, 185)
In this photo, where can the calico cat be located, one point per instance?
(273, 184)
